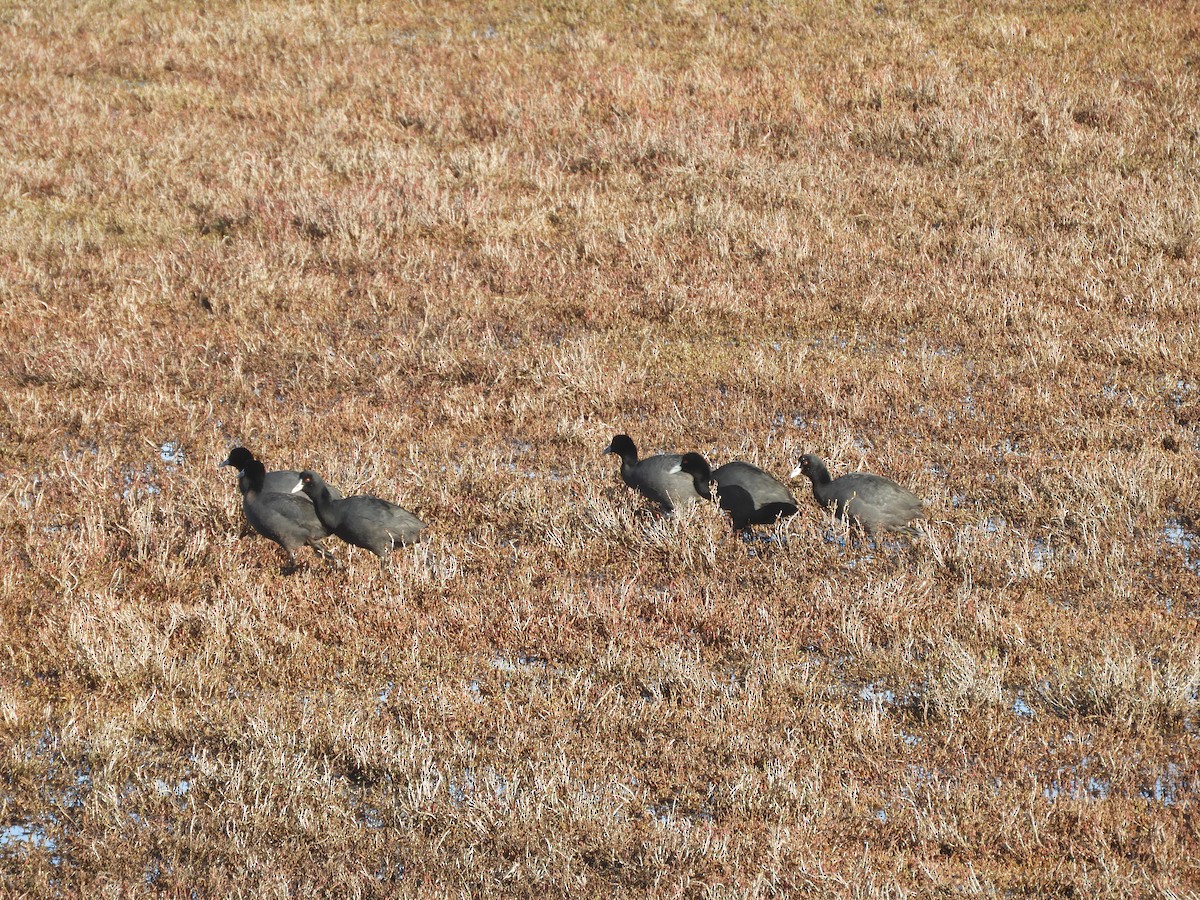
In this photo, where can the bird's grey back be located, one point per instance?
(369, 518)
(875, 500)
(752, 496)
(288, 520)
(658, 479)
(763, 487)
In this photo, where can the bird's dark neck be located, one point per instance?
(250, 480)
(701, 478)
(820, 481)
(323, 501)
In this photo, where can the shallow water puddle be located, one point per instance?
(172, 453)
(1186, 541)
(1021, 708)
(1071, 784)
(1167, 786)
(28, 834)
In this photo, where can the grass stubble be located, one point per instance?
(441, 255)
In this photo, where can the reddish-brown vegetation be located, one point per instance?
(441, 255)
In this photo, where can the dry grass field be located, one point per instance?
(442, 253)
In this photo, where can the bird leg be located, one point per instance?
(324, 552)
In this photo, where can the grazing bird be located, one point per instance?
(289, 521)
(750, 495)
(280, 482)
(364, 521)
(657, 478)
(876, 503)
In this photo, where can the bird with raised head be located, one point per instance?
(657, 478)
(289, 521)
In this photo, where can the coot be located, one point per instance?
(658, 478)
(875, 502)
(364, 521)
(750, 495)
(289, 521)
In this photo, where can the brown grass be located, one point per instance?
(442, 255)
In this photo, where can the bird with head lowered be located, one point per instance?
(872, 501)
